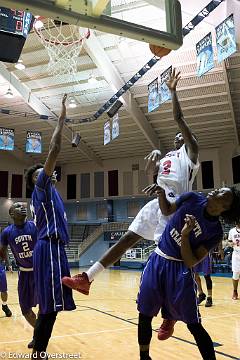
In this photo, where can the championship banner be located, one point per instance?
(115, 126)
(205, 58)
(107, 133)
(153, 95)
(6, 139)
(164, 92)
(226, 39)
(34, 142)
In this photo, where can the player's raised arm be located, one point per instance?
(189, 140)
(55, 144)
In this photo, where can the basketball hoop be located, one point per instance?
(63, 43)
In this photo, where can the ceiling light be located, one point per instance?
(9, 93)
(19, 65)
(92, 79)
(72, 104)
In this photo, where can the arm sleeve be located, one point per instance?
(43, 187)
(4, 238)
(43, 181)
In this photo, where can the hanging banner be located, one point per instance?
(153, 95)
(226, 39)
(34, 142)
(107, 133)
(165, 93)
(205, 58)
(115, 126)
(6, 139)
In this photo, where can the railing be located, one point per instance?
(98, 232)
(139, 254)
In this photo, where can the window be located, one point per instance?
(99, 184)
(71, 186)
(207, 175)
(3, 183)
(235, 169)
(16, 186)
(113, 183)
(85, 186)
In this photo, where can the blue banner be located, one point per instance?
(165, 93)
(34, 142)
(205, 58)
(153, 95)
(226, 39)
(6, 139)
(107, 133)
(115, 126)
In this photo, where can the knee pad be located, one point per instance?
(236, 275)
(208, 281)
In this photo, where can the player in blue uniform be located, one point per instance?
(167, 281)
(204, 267)
(21, 237)
(49, 259)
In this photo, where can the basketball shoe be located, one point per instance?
(78, 282)
(166, 329)
(201, 298)
(7, 311)
(235, 295)
(208, 301)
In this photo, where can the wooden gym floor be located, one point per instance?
(104, 325)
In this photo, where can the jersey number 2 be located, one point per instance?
(166, 167)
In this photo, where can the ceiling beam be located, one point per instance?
(40, 108)
(230, 101)
(112, 76)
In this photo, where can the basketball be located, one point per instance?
(159, 50)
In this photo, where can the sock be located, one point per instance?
(144, 355)
(94, 270)
(4, 303)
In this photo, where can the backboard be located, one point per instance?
(157, 22)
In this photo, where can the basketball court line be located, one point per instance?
(219, 317)
(121, 329)
(174, 337)
(74, 334)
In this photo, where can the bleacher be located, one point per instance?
(78, 233)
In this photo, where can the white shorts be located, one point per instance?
(150, 222)
(236, 262)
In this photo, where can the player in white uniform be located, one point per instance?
(234, 238)
(174, 173)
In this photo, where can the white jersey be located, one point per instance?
(177, 172)
(234, 236)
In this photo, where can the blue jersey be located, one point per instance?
(48, 210)
(207, 231)
(21, 240)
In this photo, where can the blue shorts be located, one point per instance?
(3, 279)
(50, 265)
(205, 266)
(26, 291)
(168, 285)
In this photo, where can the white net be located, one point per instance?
(63, 43)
